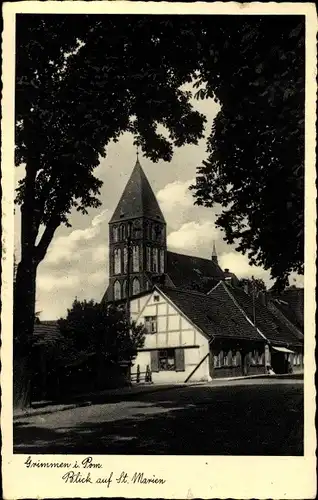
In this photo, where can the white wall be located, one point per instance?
(173, 330)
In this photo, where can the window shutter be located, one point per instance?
(179, 356)
(154, 361)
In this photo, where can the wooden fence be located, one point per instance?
(139, 376)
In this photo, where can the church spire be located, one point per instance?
(138, 198)
(214, 254)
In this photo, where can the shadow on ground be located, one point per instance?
(238, 420)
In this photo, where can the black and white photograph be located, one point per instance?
(161, 202)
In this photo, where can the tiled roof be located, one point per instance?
(291, 303)
(193, 273)
(211, 315)
(274, 330)
(47, 333)
(285, 314)
(48, 337)
(138, 199)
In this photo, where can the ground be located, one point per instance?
(249, 417)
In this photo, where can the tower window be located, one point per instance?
(162, 261)
(117, 290)
(122, 232)
(115, 233)
(155, 260)
(135, 259)
(125, 259)
(117, 261)
(136, 286)
(148, 258)
(124, 294)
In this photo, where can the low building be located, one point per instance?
(193, 336)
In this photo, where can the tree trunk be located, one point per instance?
(23, 326)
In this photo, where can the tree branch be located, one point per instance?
(47, 236)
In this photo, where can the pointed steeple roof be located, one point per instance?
(214, 254)
(138, 199)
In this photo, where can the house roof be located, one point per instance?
(46, 333)
(138, 199)
(194, 273)
(209, 314)
(291, 303)
(276, 331)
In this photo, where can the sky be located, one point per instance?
(76, 264)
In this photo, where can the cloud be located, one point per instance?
(100, 254)
(238, 264)
(194, 237)
(175, 196)
(65, 248)
(49, 282)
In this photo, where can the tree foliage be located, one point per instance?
(96, 328)
(253, 285)
(255, 167)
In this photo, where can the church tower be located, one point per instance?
(137, 239)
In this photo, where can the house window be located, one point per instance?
(225, 359)
(151, 324)
(135, 259)
(155, 260)
(135, 286)
(154, 232)
(167, 360)
(115, 233)
(156, 298)
(117, 261)
(117, 290)
(256, 358)
(162, 261)
(125, 259)
(148, 256)
(218, 360)
(234, 359)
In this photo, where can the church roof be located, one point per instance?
(138, 199)
(276, 331)
(194, 273)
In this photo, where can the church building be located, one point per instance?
(138, 247)
(200, 324)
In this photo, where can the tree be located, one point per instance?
(255, 167)
(253, 285)
(102, 331)
(72, 99)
